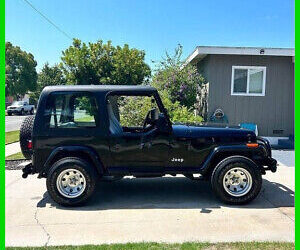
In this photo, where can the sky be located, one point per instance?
(154, 26)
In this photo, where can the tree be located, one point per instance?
(101, 63)
(48, 76)
(181, 82)
(20, 71)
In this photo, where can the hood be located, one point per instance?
(210, 131)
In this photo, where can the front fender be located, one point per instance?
(73, 151)
(259, 153)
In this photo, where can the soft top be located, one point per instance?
(102, 88)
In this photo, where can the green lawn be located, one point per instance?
(17, 156)
(12, 136)
(184, 246)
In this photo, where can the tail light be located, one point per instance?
(29, 144)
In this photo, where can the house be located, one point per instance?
(250, 85)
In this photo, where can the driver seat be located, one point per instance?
(114, 126)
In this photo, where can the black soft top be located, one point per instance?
(102, 88)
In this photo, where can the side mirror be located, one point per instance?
(154, 115)
(162, 124)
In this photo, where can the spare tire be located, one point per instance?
(25, 136)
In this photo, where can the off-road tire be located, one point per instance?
(25, 136)
(84, 167)
(227, 164)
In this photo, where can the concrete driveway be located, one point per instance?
(169, 209)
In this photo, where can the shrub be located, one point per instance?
(181, 82)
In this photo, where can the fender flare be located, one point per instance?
(240, 150)
(71, 149)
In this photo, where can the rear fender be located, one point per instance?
(75, 151)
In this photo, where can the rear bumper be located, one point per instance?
(27, 168)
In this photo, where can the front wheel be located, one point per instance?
(71, 181)
(236, 180)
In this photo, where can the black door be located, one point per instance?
(139, 152)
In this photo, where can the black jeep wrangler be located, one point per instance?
(82, 134)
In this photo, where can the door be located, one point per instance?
(136, 146)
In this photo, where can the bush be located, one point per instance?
(179, 113)
(133, 110)
(182, 83)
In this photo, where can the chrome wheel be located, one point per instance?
(71, 183)
(237, 181)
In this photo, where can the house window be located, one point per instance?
(248, 80)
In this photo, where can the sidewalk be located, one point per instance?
(12, 148)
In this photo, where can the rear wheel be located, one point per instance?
(32, 111)
(71, 181)
(9, 113)
(22, 112)
(236, 180)
(25, 136)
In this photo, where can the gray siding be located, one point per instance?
(274, 111)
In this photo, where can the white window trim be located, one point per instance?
(249, 67)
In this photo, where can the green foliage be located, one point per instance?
(133, 110)
(181, 83)
(178, 113)
(49, 76)
(101, 63)
(20, 72)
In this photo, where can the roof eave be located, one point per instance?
(201, 51)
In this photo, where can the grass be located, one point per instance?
(184, 246)
(17, 156)
(12, 136)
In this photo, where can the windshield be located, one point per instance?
(17, 103)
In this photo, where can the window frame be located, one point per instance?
(125, 94)
(79, 93)
(263, 68)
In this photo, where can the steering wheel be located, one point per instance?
(147, 120)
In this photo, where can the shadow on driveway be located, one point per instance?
(171, 193)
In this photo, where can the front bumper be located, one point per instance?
(14, 111)
(268, 162)
(271, 164)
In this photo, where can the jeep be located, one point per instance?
(84, 134)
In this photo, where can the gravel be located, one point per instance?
(13, 164)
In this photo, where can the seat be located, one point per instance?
(114, 126)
